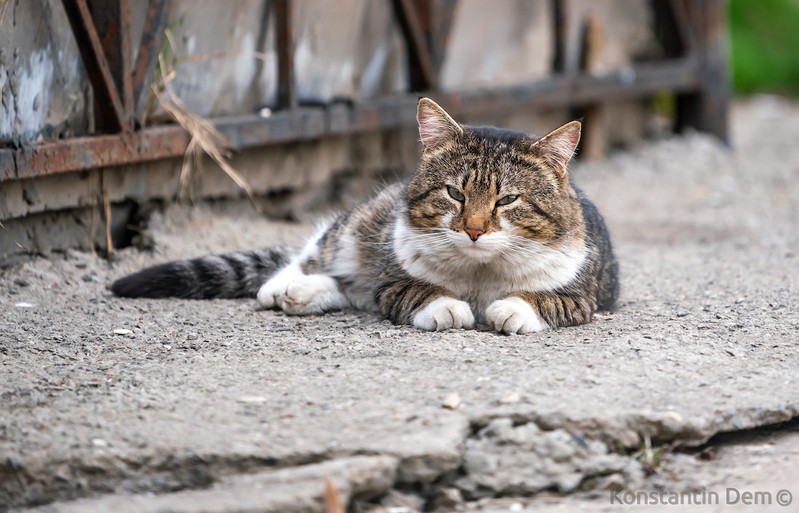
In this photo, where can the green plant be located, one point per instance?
(765, 39)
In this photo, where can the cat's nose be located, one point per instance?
(474, 233)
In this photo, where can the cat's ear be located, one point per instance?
(436, 127)
(557, 147)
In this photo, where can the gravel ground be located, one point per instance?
(213, 406)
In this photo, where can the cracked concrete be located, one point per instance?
(504, 459)
(181, 404)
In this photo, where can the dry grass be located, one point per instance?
(204, 137)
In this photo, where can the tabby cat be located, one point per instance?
(489, 230)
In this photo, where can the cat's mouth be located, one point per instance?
(477, 251)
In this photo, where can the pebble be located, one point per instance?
(23, 304)
(88, 277)
(21, 282)
(511, 398)
(448, 498)
(452, 401)
(122, 331)
(252, 399)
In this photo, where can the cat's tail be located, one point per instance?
(219, 276)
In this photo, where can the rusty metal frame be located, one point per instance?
(286, 86)
(102, 31)
(152, 40)
(694, 71)
(423, 76)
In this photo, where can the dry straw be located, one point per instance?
(204, 136)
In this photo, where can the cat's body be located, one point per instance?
(490, 229)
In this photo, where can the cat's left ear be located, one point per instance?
(557, 147)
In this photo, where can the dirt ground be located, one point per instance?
(180, 406)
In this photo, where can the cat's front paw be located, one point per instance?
(444, 313)
(301, 294)
(514, 315)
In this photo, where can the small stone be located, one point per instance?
(122, 331)
(516, 506)
(511, 398)
(88, 277)
(674, 417)
(447, 498)
(81, 265)
(452, 401)
(395, 500)
(252, 399)
(99, 442)
(23, 304)
(21, 282)
(613, 482)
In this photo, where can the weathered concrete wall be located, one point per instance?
(226, 60)
(348, 49)
(625, 32)
(291, 181)
(502, 42)
(44, 92)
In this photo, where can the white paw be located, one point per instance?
(270, 291)
(514, 315)
(300, 294)
(444, 313)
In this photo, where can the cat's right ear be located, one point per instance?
(436, 127)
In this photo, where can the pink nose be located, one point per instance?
(474, 233)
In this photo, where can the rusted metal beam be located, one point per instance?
(112, 21)
(640, 81)
(559, 25)
(435, 20)
(308, 123)
(683, 25)
(152, 39)
(707, 108)
(102, 32)
(422, 73)
(673, 27)
(286, 85)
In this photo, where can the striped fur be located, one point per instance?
(489, 230)
(219, 276)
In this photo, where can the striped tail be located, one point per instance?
(219, 276)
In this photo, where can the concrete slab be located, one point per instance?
(101, 396)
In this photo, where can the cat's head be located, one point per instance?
(487, 190)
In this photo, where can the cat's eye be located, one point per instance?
(455, 194)
(507, 200)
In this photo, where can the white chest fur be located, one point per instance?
(513, 264)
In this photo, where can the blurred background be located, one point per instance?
(764, 38)
(112, 108)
